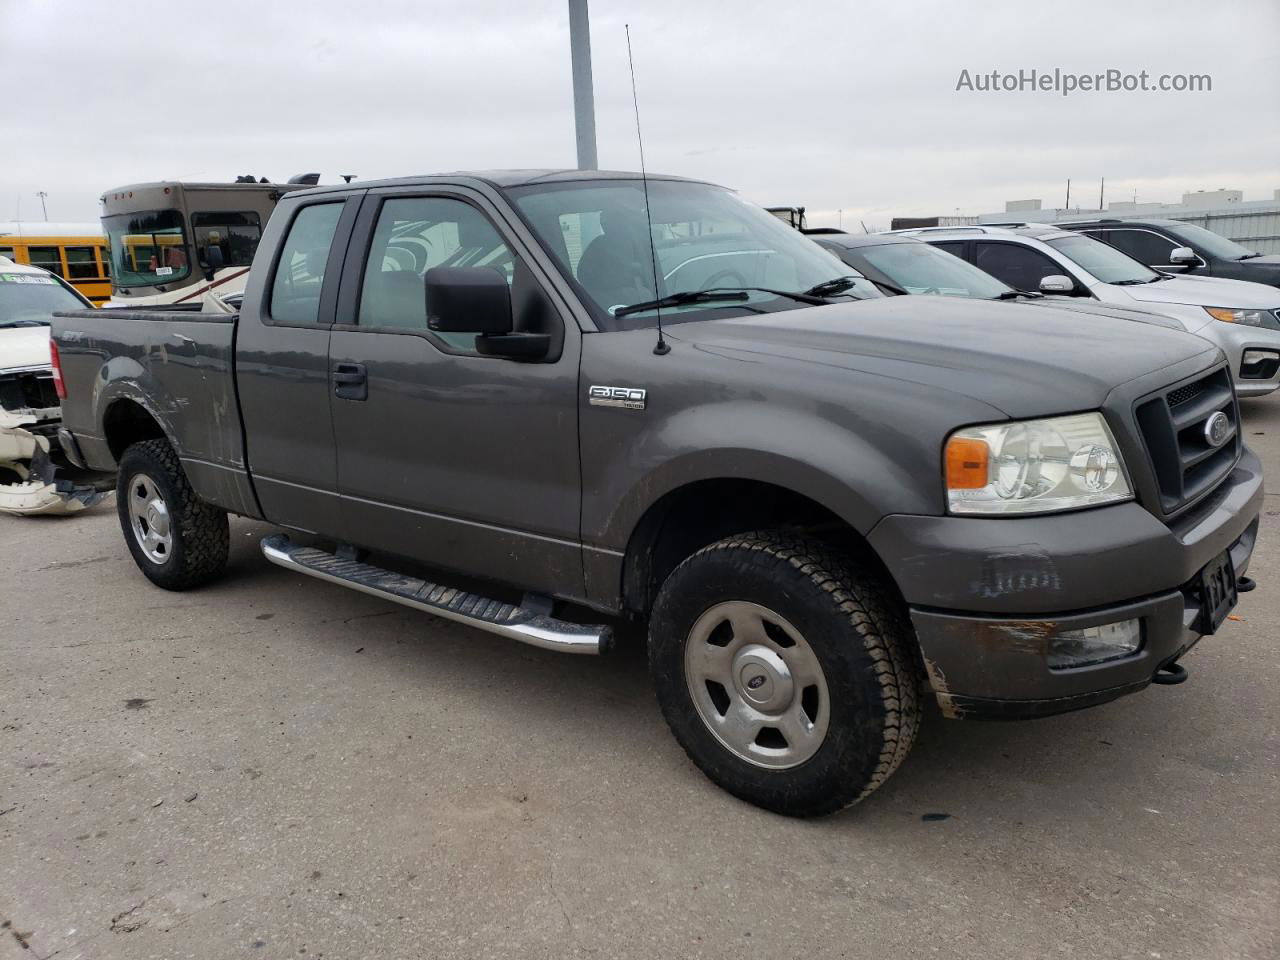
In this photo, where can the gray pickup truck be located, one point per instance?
(532, 400)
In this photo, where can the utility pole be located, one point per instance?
(1068, 206)
(840, 214)
(41, 194)
(584, 106)
(1102, 188)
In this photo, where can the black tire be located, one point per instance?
(198, 532)
(851, 620)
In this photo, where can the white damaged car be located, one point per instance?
(34, 476)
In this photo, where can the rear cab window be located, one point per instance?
(300, 270)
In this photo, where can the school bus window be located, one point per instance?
(81, 263)
(9, 253)
(236, 234)
(47, 258)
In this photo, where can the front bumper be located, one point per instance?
(987, 594)
(1254, 379)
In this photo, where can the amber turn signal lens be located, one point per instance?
(967, 463)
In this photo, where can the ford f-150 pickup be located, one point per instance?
(512, 399)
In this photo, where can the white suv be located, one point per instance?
(34, 476)
(1241, 317)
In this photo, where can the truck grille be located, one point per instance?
(28, 390)
(1173, 424)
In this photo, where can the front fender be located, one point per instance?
(796, 450)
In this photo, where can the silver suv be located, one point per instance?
(1242, 318)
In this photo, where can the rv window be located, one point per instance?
(236, 234)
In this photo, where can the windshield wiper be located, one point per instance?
(679, 299)
(829, 288)
(24, 323)
(1249, 256)
(1130, 283)
(802, 295)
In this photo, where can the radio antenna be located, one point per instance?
(660, 348)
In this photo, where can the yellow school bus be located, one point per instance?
(74, 251)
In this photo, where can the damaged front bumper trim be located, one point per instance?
(998, 667)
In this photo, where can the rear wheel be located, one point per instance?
(785, 672)
(176, 539)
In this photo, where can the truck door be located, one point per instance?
(445, 456)
(282, 363)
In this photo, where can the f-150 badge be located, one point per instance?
(629, 398)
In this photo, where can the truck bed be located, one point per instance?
(176, 364)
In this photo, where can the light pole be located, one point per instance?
(41, 194)
(584, 107)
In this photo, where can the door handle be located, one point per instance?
(350, 381)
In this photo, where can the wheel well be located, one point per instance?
(126, 423)
(686, 520)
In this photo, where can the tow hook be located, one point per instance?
(1170, 674)
(1245, 584)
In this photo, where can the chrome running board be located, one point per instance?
(505, 619)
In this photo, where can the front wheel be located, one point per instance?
(784, 672)
(176, 539)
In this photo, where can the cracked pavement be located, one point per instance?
(369, 781)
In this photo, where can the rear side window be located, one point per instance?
(1020, 267)
(412, 235)
(295, 290)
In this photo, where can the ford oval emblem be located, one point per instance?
(1217, 429)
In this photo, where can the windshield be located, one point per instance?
(917, 267)
(1208, 241)
(1102, 260)
(147, 248)
(29, 299)
(706, 238)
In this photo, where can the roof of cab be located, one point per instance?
(501, 179)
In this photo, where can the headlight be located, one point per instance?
(1248, 318)
(1034, 466)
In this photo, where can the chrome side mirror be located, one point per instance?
(1057, 283)
(1183, 256)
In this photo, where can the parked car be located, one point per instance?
(34, 478)
(903, 265)
(546, 381)
(1242, 318)
(1174, 246)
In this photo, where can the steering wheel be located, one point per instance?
(718, 280)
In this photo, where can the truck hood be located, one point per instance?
(1206, 292)
(1021, 359)
(23, 347)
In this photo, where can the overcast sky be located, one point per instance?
(832, 105)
